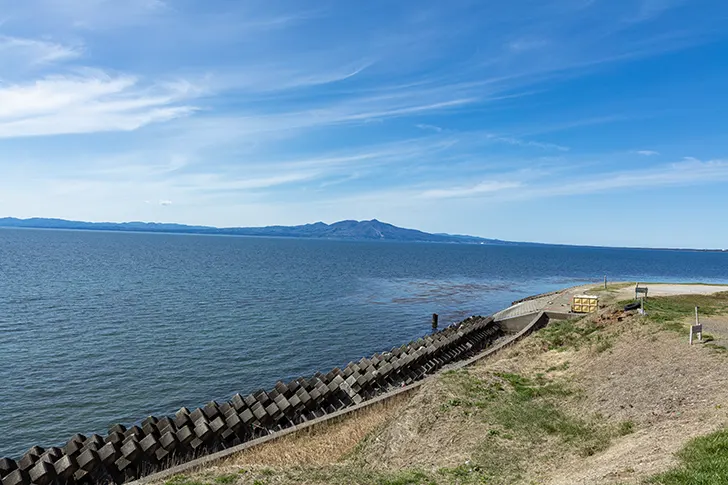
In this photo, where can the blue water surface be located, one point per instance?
(104, 327)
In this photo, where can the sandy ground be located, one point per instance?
(671, 290)
(671, 391)
(616, 292)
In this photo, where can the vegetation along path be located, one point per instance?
(612, 398)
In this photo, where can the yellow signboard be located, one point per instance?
(584, 304)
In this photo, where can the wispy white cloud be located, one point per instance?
(685, 173)
(481, 188)
(17, 51)
(527, 143)
(90, 102)
(426, 127)
(647, 153)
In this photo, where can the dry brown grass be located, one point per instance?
(635, 393)
(324, 444)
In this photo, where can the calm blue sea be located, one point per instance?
(98, 328)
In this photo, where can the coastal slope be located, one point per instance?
(612, 398)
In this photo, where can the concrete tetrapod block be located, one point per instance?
(27, 461)
(131, 450)
(182, 419)
(16, 477)
(65, 467)
(7, 465)
(217, 425)
(196, 415)
(166, 424)
(281, 388)
(230, 412)
(43, 473)
(134, 431)
(238, 403)
(169, 441)
(224, 408)
(203, 431)
(262, 397)
(88, 460)
(273, 411)
(109, 453)
(82, 477)
(123, 464)
(282, 403)
(185, 434)
(293, 387)
(211, 410)
(115, 437)
(94, 441)
(150, 429)
(259, 412)
(296, 405)
(51, 455)
(149, 445)
(247, 416)
(149, 420)
(197, 444)
(117, 428)
(161, 454)
(234, 423)
(250, 400)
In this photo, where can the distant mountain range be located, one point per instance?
(351, 230)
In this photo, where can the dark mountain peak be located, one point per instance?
(373, 229)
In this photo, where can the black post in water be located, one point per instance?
(434, 321)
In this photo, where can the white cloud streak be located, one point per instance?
(86, 103)
(18, 51)
(479, 189)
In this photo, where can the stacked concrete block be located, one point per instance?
(158, 442)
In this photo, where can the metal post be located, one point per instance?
(605, 282)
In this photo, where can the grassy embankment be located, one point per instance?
(535, 414)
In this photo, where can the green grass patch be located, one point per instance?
(355, 475)
(625, 428)
(226, 479)
(521, 413)
(672, 311)
(560, 367)
(703, 461)
(611, 288)
(717, 348)
(183, 480)
(574, 334)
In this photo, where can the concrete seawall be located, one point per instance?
(159, 444)
(522, 328)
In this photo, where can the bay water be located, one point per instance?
(104, 327)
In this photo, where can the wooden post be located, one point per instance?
(697, 328)
(434, 321)
(605, 282)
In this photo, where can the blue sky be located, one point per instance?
(569, 121)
